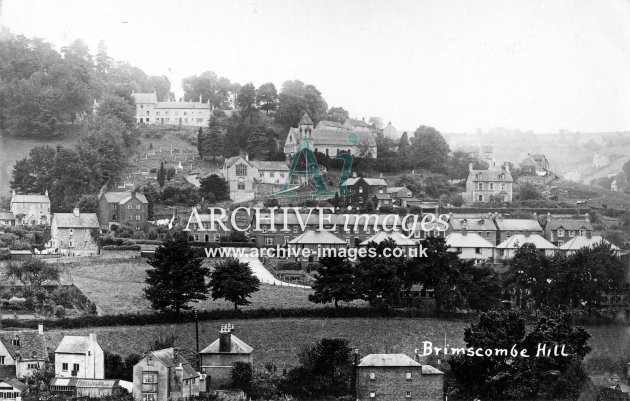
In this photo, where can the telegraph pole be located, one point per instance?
(197, 337)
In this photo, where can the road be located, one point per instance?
(263, 274)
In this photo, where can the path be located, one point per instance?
(262, 273)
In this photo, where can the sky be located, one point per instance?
(456, 65)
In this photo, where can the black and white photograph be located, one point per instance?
(325, 200)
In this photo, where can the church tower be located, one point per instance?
(306, 126)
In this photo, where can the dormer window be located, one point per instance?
(479, 175)
(501, 176)
(15, 342)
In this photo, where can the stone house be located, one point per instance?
(394, 377)
(506, 249)
(30, 209)
(534, 164)
(75, 233)
(481, 224)
(240, 175)
(199, 227)
(588, 241)
(7, 219)
(122, 207)
(315, 241)
(80, 357)
(506, 228)
(218, 358)
(561, 230)
(271, 172)
(483, 186)
(24, 351)
(164, 375)
(399, 195)
(364, 190)
(150, 111)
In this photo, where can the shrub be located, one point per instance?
(49, 307)
(17, 303)
(63, 296)
(122, 247)
(60, 312)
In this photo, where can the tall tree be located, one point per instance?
(295, 98)
(177, 277)
(212, 142)
(214, 188)
(32, 273)
(404, 148)
(161, 175)
(233, 281)
(267, 97)
(200, 141)
(334, 282)
(429, 149)
(246, 98)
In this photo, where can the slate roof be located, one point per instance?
(182, 105)
(166, 356)
(518, 225)
(396, 190)
(317, 237)
(383, 196)
(397, 236)
(470, 240)
(232, 160)
(123, 197)
(69, 220)
(520, 239)
(569, 224)
(150, 97)
(32, 345)
(581, 241)
(313, 220)
(74, 345)
(30, 198)
(369, 181)
(490, 175)
(238, 346)
(7, 371)
(305, 120)
(15, 383)
(358, 123)
(539, 157)
(324, 136)
(329, 123)
(472, 223)
(270, 165)
(396, 360)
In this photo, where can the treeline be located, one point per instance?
(42, 89)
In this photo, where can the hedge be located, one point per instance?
(121, 248)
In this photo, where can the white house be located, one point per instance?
(80, 357)
(12, 389)
(506, 249)
(471, 245)
(588, 241)
(150, 111)
(30, 209)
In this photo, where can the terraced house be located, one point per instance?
(76, 233)
(562, 230)
(150, 111)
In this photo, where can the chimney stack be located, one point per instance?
(40, 329)
(92, 336)
(76, 212)
(470, 167)
(225, 338)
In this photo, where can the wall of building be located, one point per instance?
(83, 243)
(31, 212)
(218, 367)
(160, 389)
(391, 384)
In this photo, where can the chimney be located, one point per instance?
(13, 192)
(179, 373)
(225, 338)
(587, 217)
(470, 167)
(46, 193)
(92, 337)
(507, 167)
(40, 329)
(380, 175)
(76, 212)
(200, 98)
(354, 174)
(247, 156)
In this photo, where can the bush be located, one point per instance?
(60, 312)
(17, 303)
(63, 296)
(122, 247)
(288, 266)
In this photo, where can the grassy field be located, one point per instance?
(116, 285)
(280, 340)
(570, 192)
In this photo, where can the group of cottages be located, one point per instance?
(492, 185)
(331, 137)
(150, 111)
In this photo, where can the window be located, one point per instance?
(487, 234)
(560, 232)
(380, 190)
(372, 394)
(64, 367)
(268, 241)
(199, 120)
(1, 360)
(149, 377)
(560, 243)
(241, 186)
(408, 375)
(32, 366)
(137, 217)
(241, 170)
(478, 251)
(148, 396)
(360, 199)
(582, 232)
(130, 207)
(147, 113)
(572, 233)
(408, 394)
(480, 186)
(217, 238)
(15, 341)
(491, 186)
(75, 367)
(372, 375)
(271, 174)
(137, 207)
(480, 198)
(360, 190)
(502, 187)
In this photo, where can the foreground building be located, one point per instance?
(30, 209)
(76, 233)
(586, 241)
(218, 358)
(22, 352)
(394, 377)
(164, 375)
(80, 357)
(7, 219)
(560, 231)
(471, 246)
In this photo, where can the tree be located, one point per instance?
(233, 281)
(511, 378)
(214, 187)
(267, 97)
(246, 98)
(459, 164)
(177, 277)
(88, 204)
(334, 282)
(32, 273)
(118, 107)
(296, 98)
(200, 141)
(377, 277)
(404, 147)
(338, 114)
(161, 175)
(528, 192)
(429, 149)
(170, 173)
(212, 142)
(376, 123)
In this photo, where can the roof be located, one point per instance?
(490, 175)
(467, 240)
(396, 360)
(478, 223)
(582, 241)
(148, 97)
(230, 162)
(517, 240)
(369, 181)
(269, 165)
(74, 345)
(96, 383)
(63, 381)
(518, 224)
(330, 123)
(569, 224)
(326, 136)
(30, 198)
(7, 371)
(305, 120)
(167, 358)
(395, 190)
(538, 157)
(383, 196)
(32, 344)
(7, 216)
(182, 105)
(70, 220)
(123, 197)
(238, 347)
(358, 123)
(15, 383)
(397, 236)
(317, 237)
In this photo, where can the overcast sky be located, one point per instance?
(454, 65)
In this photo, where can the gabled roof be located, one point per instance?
(357, 123)
(182, 105)
(518, 240)
(74, 345)
(397, 236)
(123, 197)
(30, 198)
(518, 224)
(569, 224)
(15, 383)
(582, 241)
(238, 346)
(369, 181)
(472, 223)
(317, 237)
(538, 157)
(326, 136)
(383, 196)
(69, 220)
(329, 123)
(147, 97)
(490, 175)
(32, 344)
(468, 240)
(167, 358)
(393, 360)
(396, 190)
(263, 165)
(232, 160)
(305, 120)
(7, 371)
